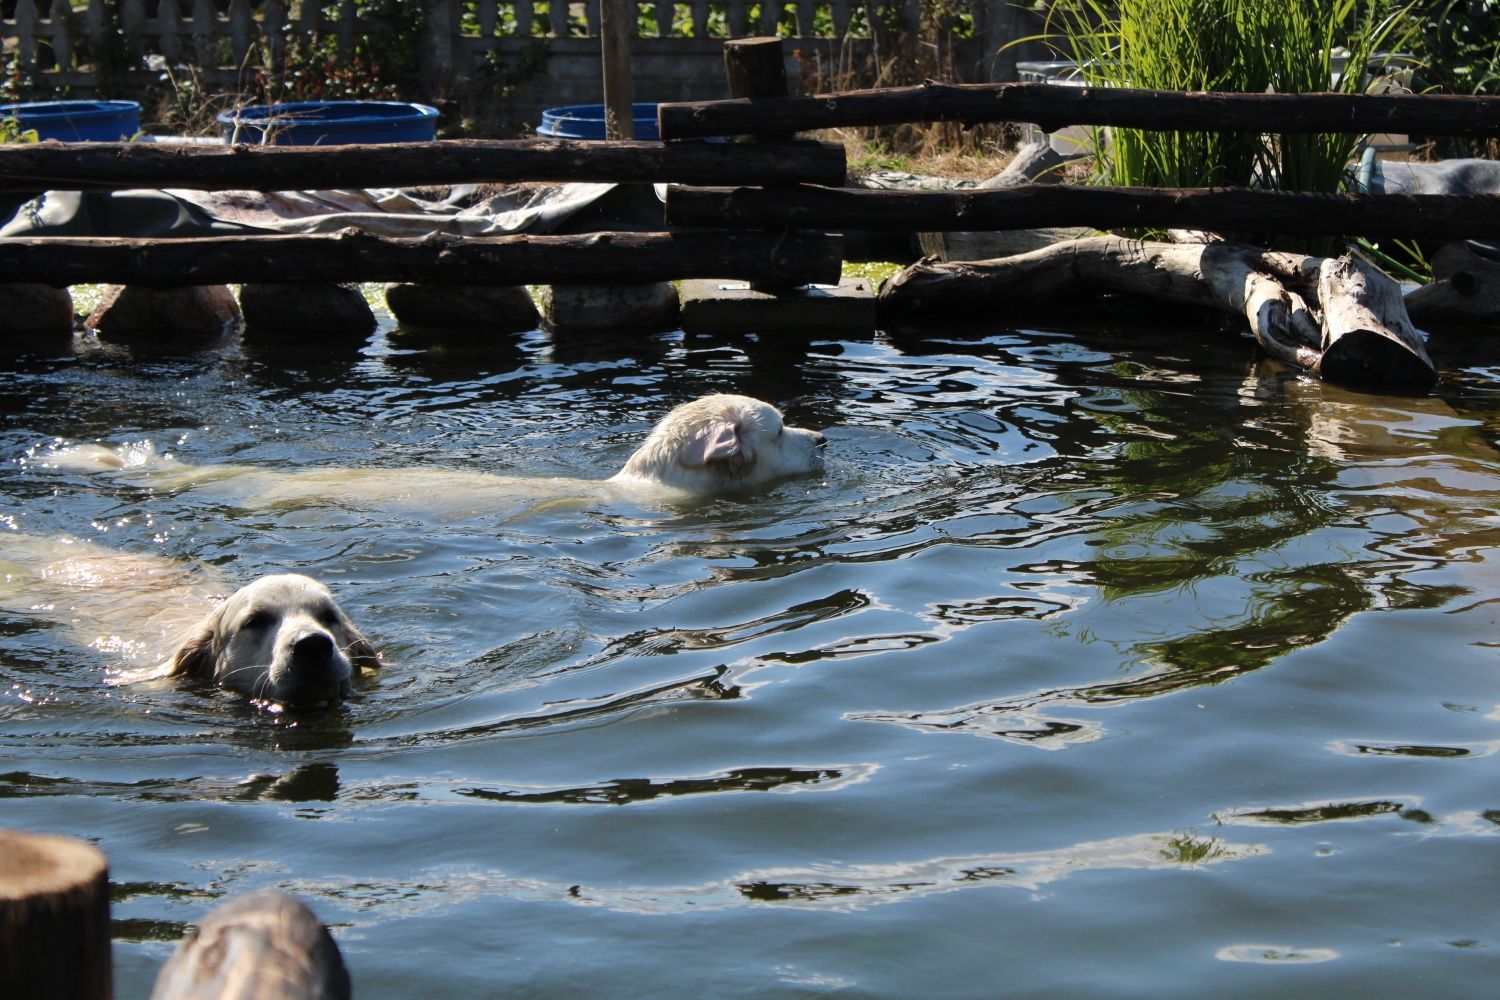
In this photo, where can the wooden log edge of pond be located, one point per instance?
(800, 257)
(54, 918)
(1339, 318)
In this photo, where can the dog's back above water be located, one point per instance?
(281, 639)
(717, 444)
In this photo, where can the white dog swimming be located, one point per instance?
(717, 444)
(281, 639)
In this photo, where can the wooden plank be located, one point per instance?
(617, 28)
(1053, 107)
(349, 255)
(96, 166)
(1236, 210)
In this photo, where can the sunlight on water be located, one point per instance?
(1092, 665)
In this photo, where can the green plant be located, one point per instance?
(11, 131)
(1247, 46)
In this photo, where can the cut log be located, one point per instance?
(349, 255)
(1053, 106)
(112, 166)
(1340, 319)
(1032, 206)
(54, 919)
(264, 946)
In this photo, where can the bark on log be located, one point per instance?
(1031, 206)
(54, 919)
(1053, 107)
(1465, 289)
(264, 946)
(1340, 319)
(349, 255)
(755, 68)
(110, 166)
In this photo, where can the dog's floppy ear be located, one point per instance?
(195, 657)
(361, 653)
(719, 441)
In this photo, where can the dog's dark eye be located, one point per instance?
(256, 620)
(780, 431)
(328, 617)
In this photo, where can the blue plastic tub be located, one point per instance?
(329, 123)
(77, 121)
(586, 121)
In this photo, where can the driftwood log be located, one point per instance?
(1054, 106)
(349, 255)
(54, 919)
(1339, 318)
(263, 946)
(1465, 288)
(111, 166)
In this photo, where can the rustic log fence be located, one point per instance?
(778, 224)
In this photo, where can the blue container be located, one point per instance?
(329, 123)
(586, 121)
(77, 121)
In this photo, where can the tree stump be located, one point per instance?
(263, 946)
(54, 918)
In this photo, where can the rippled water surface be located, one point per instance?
(1096, 664)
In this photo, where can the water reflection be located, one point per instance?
(623, 791)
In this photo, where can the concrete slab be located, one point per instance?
(716, 305)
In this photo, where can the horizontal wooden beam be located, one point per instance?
(1054, 106)
(106, 166)
(349, 255)
(1234, 210)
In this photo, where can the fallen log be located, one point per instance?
(1032, 206)
(350, 255)
(1465, 289)
(110, 166)
(1053, 107)
(1341, 319)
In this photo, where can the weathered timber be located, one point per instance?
(1341, 319)
(54, 919)
(1030, 206)
(755, 68)
(1053, 107)
(263, 946)
(108, 166)
(1465, 289)
(350, 255)
(616, 29)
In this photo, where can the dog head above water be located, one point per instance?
(281, 638)
(722, 443)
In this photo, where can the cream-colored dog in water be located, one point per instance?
(281, 638)
(717, 444)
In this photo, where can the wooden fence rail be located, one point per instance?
(110, 166)
(1237, 210)
(1052, 107)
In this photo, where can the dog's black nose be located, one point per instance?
(312, 648)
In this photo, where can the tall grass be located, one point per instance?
(1244, 46)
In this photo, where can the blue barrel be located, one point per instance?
(586, 121)
(77, 121)
(329, 123)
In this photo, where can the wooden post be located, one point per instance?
(616, 29)
(266, 944)
(755, 67)
(54, 918)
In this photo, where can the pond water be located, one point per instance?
(1110, 663)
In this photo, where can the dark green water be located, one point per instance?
(1096, 665)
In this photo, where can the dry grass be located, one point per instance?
(936, 150)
